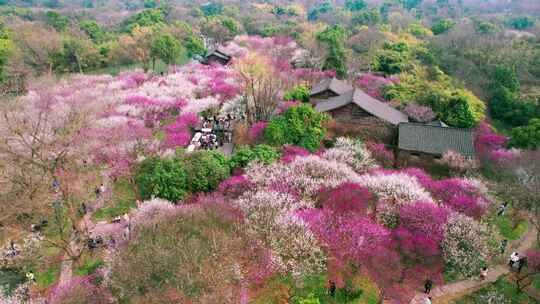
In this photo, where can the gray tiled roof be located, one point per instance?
(333, 84)
(435, 139)
(367, 103)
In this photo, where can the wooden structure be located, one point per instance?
(217, 57)
(427, 142)
(356, 113)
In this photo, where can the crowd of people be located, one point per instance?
(213, 133)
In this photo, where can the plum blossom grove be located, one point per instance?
(338, 211)
(326, 212)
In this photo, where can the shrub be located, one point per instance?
(244, 155)
(204, 170)
(163, 178)
(442, 26)
(298, 93)
(527, 137)
(301, 126)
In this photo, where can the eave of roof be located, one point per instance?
(435, 140)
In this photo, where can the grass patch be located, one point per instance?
(48, 276)
(510, 230)
(359, 290)
(122, 201)
(501, 291)
(89, 267)
(11, 278)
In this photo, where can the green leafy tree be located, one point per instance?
(390, 62)
(165, 47)
(485, 27)
(521, 23)
(6, 50)
(367, 17)
(322, 8)
(93, 30)
(204, 170)
(151, 3)
(77, 55)
(300, 125)
(442, 26)
(460, 113)
(212, 9)
(410, 4)
(526, 137)
(56, 20)
(52, 3)
(506, 76)
(299, 93)
(146, 18)
(420, 31)
(355, 5)
(163, 178)
(244, 155)
(334, 37)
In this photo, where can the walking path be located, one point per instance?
(444, 294)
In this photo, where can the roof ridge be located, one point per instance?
(440, 127)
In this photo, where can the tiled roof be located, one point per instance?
(367, 103)
(333, 84)
(435, 139)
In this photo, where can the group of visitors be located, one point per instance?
(517, 262)
(218, 123)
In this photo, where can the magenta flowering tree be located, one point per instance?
(179, 132)
(490, 146)
(345, 198)
(373, 84)
(235, 186)
(256, 130)
(424, 218)
(289, 152)
(381, 153)
(461, 196)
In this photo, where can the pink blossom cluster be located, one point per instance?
(467, 244)
(256, 130)
(373, 84)
(179, 132)
(419, 113)
(290, 152)
(458, 162)
(351, 152)
(490, 146)
(270, 217)
(381, 153)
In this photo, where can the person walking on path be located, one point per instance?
(502, 209)
(504, 244)
(483, 273)
(427, 300)
(428, 285)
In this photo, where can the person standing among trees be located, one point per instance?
(428, 286)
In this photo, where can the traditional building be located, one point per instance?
(355, 112)
(217, 57)
(430, 141)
